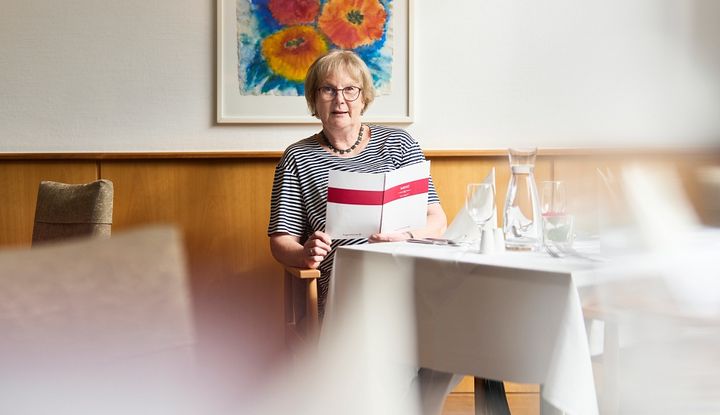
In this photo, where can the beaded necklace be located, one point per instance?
(347, 150)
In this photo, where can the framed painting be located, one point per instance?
(264, 48)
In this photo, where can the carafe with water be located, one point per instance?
(522, 219)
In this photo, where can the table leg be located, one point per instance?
(490, 398)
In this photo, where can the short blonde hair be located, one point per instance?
(332, 62)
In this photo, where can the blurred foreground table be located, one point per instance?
(512, 316)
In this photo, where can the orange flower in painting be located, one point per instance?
(290, 52)
(353, 23)
(294, 12)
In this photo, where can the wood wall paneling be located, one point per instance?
(452, 174)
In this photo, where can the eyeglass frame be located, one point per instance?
(336, 90)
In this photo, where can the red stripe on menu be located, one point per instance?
(355, 197)
(374, 197)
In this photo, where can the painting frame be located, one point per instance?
(234, 108)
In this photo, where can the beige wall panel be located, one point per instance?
(589, 198)
(452, 174)
(585, 192)
(511, 387)
(703, 192)
(222, 207)
(595, 190)
(19, 182)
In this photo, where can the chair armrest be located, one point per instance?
(303, 273)
(302, 320)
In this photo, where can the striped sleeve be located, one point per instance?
(286, 207)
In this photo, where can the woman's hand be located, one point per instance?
(315, 249)
(389, 237)
(288, 250)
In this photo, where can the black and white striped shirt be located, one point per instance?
(299, 192)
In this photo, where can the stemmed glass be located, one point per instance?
(480, 205)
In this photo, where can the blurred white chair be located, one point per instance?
(647, 212)
(95, 323)
(658, 204)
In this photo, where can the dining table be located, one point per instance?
(511, 316)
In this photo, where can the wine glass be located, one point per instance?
(480, 204)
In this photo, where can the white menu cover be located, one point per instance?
(361, 204)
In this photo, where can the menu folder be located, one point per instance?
(361, 204)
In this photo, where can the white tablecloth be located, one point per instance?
(513, 316)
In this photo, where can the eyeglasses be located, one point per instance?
(350, 93)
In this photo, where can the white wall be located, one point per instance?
(138, 75)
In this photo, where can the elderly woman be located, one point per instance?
(338, 90)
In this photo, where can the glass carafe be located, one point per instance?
(522, 219)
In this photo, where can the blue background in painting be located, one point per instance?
(259, 78)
